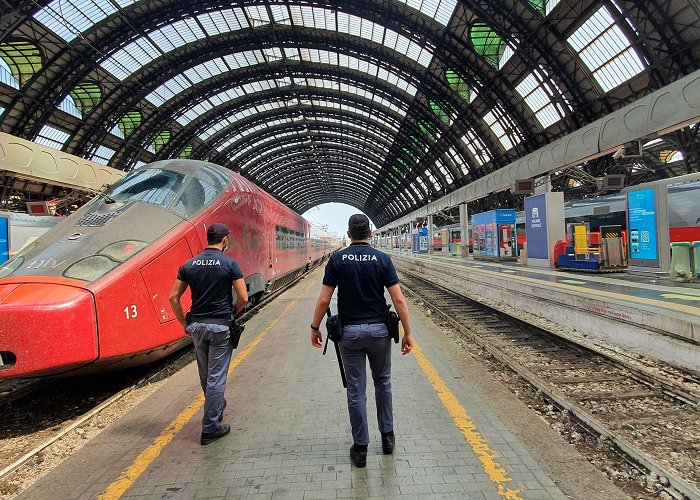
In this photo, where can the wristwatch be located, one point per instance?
(315, 328)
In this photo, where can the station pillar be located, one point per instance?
(411, 226)
(464, 229)
(430, 234)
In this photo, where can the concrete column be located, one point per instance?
(430, 234)
(411, 227)
(464, 229)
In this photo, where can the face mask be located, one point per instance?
(225, 246)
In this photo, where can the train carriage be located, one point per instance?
(92, 293)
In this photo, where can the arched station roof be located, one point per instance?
(384, 104)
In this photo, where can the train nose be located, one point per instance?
(46, 328)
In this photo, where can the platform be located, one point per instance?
(654, 319)
(460, 433)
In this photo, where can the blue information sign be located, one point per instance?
(536, 227)
(642, 224)
(4, 239)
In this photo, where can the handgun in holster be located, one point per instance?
(235, 331)
(392, 324)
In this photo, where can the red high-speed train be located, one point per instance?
(92, 293)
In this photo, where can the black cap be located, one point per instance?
(358, 223)
(217, 229)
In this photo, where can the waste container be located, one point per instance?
(680, 260)
(696, 258)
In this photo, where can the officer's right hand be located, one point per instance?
(407, 343)
(316, 339)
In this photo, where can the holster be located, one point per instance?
(235, 332)
(392, 324)
(334, 328)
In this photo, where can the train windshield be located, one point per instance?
(151, 185)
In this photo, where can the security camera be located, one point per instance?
(619, 153)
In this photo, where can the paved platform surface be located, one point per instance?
(686, 295)
(460, 434)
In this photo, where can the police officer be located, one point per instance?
(211, 276)
(361, 273)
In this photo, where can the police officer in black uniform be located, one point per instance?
(361, 273)
(211, 276)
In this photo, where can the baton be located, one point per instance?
(337, 354)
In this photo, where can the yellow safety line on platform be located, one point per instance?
(461, 418)
(653, 302)
(127, 478)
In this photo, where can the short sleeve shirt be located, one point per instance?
(360, 273)
(210, 276)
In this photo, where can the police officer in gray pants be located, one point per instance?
(361, 273)
(212, 277)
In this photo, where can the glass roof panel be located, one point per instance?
(440, 10)
(51, 137)
(140, 52)
(102, 155)
(539, 91)
(606, 51)
(477, 147)
(69, 18)
(503, 126)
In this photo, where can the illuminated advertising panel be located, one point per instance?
(641, 207)
(536, 227)
(4, 239)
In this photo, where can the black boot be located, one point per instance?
(208, 437)
(388, 441)
(358, 455)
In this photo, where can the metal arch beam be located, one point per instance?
(200, 93)
(280, 157)
(296, 194)
(68, 67)
(159, 71)
(309, 161)
(251, 154)
(377, 128)
(276, 95)
(292, 186)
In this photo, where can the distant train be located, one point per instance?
(92, 293)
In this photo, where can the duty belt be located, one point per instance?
(211, 321)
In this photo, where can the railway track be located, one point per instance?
(652, 414)
(79, 404)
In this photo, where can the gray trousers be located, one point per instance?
(359, 343)
(213, 352)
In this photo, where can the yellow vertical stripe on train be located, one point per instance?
(127, 478)
(461, 418)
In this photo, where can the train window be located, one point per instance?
(194, 197)
(213, 178)
(151, 185)
(90, 268)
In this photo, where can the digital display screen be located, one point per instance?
(4, 239)
(536, 227)
(642, 224)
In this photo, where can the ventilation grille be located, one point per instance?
(94, 219)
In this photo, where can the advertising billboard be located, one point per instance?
(642, 223)
(536, 227)
(4, 239)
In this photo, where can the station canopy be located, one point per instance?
(384, 105)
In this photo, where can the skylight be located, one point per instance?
(225, 64)
(605, 50)
(52, 137)
(141, 51)
(102, 155)
(503, 126)
(539, 90)
(439, 10)
(476, 147)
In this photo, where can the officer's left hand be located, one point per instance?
(316, 339)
